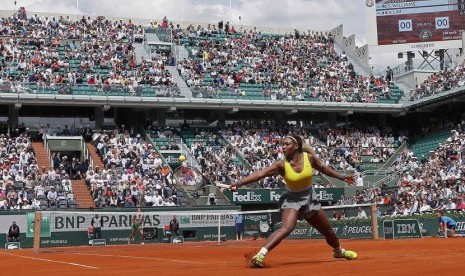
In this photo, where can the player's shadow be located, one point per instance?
(299, 262)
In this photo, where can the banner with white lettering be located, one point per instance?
(256, 196)
(356, 230)
(75, 221)
(406, 228)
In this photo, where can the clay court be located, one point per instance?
(426, 256)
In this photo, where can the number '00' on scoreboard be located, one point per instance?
(406, 25)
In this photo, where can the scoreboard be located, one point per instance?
(399, 22)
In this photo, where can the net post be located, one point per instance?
(374, 221)
(37, 224)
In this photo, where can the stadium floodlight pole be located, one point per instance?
(77, 10)
(230, 11)
(182, 14)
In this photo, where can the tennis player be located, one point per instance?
(445, 223)
(299, 200)
(136, 226)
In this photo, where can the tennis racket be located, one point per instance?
(191, 176)
(223, 186)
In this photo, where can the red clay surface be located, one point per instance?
(426, 256)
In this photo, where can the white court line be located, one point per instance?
(142, 258)
(52, 261)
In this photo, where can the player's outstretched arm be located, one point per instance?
(277, 166)
(317, 164)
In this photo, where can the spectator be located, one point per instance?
(13, 232)
(174, 228)
(170, 202)
(361, 213)
(239, 226)
(97, 224)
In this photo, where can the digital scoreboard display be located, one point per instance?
(403, 21)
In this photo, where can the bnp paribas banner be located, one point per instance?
(246, 196)
(71, 228)
(76, 221)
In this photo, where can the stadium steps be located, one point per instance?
(185, 91)
(405, 98)
(82, 194)
(95, 157)
(151, 38)
(182, 51)
(140, 52)
(41, 155)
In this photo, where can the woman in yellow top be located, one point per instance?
(299, 199)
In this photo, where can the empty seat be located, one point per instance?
(63, 205)
(41, 197)
(72, 204)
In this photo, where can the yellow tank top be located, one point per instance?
(298, 181)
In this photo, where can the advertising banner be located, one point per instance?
(272, 196)
(406, 229)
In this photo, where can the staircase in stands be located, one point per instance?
(95, 157)
(41, 155)
(80, 190)
(82, 194)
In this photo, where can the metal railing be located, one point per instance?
(47, 149)
(189, 156)
(375, 172)
(389, 177)
(142, 90)
(86, 153)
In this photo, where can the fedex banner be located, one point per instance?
(273, 196)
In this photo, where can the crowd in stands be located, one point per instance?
(133, 173)
(427, 183)
(296, 66)
(23, 185)
(211, 155)
(440, 82)
(348, 145)
(63, 54)
(436, 181)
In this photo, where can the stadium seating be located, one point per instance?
(430, 142)
(216, 71)
(221, 65)
(440, 82)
